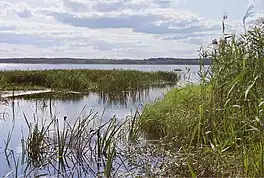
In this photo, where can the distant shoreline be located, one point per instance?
(150, 61)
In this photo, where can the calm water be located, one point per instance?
(11, 66)
(188, 72)
(12, 114)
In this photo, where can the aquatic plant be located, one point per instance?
(82, 80)
(216, 128)
(83, 147)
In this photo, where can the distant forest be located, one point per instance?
(164, 61)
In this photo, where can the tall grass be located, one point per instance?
(216, 128)
(84, 80)
(80, 148)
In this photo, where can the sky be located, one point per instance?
(133, 29)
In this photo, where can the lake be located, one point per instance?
(188, 72)
(12, 66)
(12, 113)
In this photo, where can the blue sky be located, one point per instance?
(116, 28)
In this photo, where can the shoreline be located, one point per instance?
(150, 61)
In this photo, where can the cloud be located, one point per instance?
(116, 5)
(4, 27)
(201, 38)
(74, 6)
(108, 6)
(4, 4)
(21, 9)
(28, 39)
(104, 28)
(141, 16)
(147, 22)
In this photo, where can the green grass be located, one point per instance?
(81, 148)
(216, 128)
(83, 80)
(164, 117)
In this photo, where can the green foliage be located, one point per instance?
(84, 80)
(84, 147)
(219, 123)
(165, 117)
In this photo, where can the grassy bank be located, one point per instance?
(84, 80)
(169, 116)
(216, 128)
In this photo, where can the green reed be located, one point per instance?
(78, 148)
(84, 80)
(216, 128)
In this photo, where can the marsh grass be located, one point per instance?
(83, 80)
(80, 148)
(216, 128)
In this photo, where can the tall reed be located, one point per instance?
(85, 80)
(78, 148)
(216, 128)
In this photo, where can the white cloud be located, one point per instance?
(23, 10)
(20, 9)
(103, 28)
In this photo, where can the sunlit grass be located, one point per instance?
(83, 80)
(216, 128)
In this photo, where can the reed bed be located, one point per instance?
(216, 128)
(72, 149)
(83, 80)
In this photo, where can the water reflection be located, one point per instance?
(110, 98)
(77, 149)
(46, 107)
